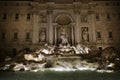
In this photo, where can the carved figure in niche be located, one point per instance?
(85, 34)
(64, 40)
(62, 36)
(62, 31)
(79, 48)
(42, 35)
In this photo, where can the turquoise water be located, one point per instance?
(53, 75)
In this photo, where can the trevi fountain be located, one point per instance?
(63, 62)
(63, 57)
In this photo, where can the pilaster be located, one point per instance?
(35, 38)
(92, 23)
(50, 22)
(77, 21)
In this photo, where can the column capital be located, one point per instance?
(77, 11)
(50, 7)
(77, 4)
(35, 11)
(77, 7)
(49, 11)
(50, 3)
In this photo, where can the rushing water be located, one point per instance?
(57, 75)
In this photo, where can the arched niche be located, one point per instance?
(64, 28)
(63, 19)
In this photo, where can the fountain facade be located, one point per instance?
(53, 33)
(62, 58)
(50, 22)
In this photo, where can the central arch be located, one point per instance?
(64, 28)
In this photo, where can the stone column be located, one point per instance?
(72, 32)
(50, 7)
(77, 7)
(55, 35)
(35, 38)
(77, 26)
(80, 27)
(50, 27)
(92, 23)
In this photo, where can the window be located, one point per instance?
(97, 4)
(28, 16)
(118, 4)
(108, 16)
(16, 16)
(110, 35)
(118, 16)
(3, 36)
(17, 4)
(4, 17)
(98, 35)
(15, 36)
(14, 51)
(107, 4)
(97, 17)
(27, 36)
(29, 4)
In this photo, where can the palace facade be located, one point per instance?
(31, 23)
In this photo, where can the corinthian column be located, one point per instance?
(93, 28)
(77, 27)
(77, 21)
(50, 27)
(35, 38)
(92, 22)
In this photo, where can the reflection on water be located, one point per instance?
(54, 75)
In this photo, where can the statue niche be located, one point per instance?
(42, 35)
(85, 34)
(64, 35)
(63, 29)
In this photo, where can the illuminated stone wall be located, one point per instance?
(27, 24)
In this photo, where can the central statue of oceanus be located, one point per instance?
(63, 40)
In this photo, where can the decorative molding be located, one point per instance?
(77, 7)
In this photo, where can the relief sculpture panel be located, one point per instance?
(42, 35)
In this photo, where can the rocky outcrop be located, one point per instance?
(40, 60)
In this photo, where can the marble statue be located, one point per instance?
(64, 40)
(85, 34)
(86, 50)
(79, 48)
(42, 36)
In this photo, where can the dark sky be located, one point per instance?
(56, 0)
